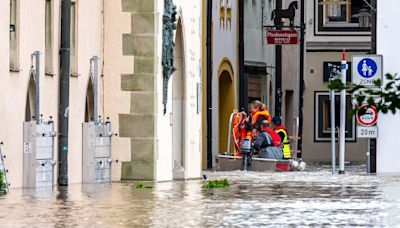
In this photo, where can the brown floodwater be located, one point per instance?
(312, 198)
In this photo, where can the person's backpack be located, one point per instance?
(276, 139)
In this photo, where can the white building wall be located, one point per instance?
(116, 23)
(14, 85)
(190, 13)
(224, 46)
(388, 31)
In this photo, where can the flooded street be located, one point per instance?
(312, 198)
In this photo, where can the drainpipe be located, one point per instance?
(63, 112)
(372, 142)
(278, 72)
(243, 82)
(301, 89)
(209, 84)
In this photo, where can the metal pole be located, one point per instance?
(209, 84)
(296, 141)
(301, 83)
(243, 80)
(229, 134)
(342, 116)
(333, 137)
(63, 112)
(278, 71)
(372, 142)
(36, 54)
(95, 62)
(368, 155)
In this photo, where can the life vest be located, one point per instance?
(239, 131)
(259, 114)
(285, 144)
(276, 139)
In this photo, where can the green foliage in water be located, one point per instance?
(217, 184)
(3, 186)
(143, 186)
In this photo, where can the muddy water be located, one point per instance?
(313, 198)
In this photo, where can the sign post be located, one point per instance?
(342, 133)
(367, 117)
(334, 73)
(367, 69)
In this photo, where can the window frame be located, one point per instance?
(74, 26)
(321, 29)
(16, 66)
(49, 61)
(321, 135)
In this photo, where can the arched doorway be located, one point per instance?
(89, 103)
(226, 103)
(30, 107)
(178, 107)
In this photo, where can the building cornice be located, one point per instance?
(317, 46)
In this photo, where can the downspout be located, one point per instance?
(301, 79)
(243, 84)
(278, 72)
(209, 84)
(63, 112)
(372, 145)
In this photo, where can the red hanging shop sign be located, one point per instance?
(279, 37)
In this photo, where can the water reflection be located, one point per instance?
(314, 198)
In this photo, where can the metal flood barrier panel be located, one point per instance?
(38, 169)
(96, 152)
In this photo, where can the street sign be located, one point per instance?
(369, 117)
(280, 37)
(367, 69)
(367, 132)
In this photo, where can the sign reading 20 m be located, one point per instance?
(367, 69)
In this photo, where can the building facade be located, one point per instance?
(224, 91)
(331, 27)
(127, 37)
(387, 33)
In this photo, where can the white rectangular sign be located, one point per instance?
(366, 69)
(367, 132)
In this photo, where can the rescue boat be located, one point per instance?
(236, 160)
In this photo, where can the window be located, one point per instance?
(73, 61)
(48, 38)
(323, 117)
(343, 15)
(13, 35)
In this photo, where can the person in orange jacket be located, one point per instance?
(258, 114)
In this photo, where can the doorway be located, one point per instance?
(89, 103)
(30, 107)
(226, 105)
(179, 108)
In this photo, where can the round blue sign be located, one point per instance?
(367, 68)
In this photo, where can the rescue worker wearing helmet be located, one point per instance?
(268, 143)
(276, 124)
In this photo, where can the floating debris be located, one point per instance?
(224, 183)
(143, 186)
